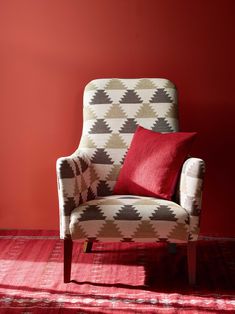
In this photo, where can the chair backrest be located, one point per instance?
(113, 108)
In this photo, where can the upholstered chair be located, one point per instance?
(89, 212)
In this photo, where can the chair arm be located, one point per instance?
(190, 193)
(74, 186)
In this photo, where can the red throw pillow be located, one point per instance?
(153, 163)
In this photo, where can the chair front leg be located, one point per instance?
(191, 252)
(68, 251)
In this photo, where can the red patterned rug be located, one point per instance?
(115, 278)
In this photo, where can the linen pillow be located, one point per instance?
(153, 163)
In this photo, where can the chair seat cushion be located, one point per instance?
(130, 218)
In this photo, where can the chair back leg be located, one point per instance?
(68, 251)
(191, 252)
(87, 247)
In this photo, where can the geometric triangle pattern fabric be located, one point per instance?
(77, 172)
(115, 84)
(161, 96)
(164, 228)
(115, 112)
(100, 97)
(178, 232)
(90, 115)
(112, 110)
(84, 165)
(117, 107)
(127, 212)
(195, 172)
(138, 220)
(131, 97)
(191, 187)
(146, 111)
(171, 113)
(113, 173)
(145, 231)
(80, 232)
(99, 127)
(163, 212)
(84, 186)
(103, 188)
(90, 194)
(86, 142)
(129, 126)
(101, 157)
(115, 141)
(162, 125)
(145, 84)
(116, 154)
(91, 212)
(109, 231)
(66, 171)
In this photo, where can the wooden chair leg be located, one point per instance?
(191, 250)
(172, 249)
(87, 246)
(68, 251)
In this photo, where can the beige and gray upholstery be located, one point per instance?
(113, 108)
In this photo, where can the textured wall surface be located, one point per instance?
(51, 49)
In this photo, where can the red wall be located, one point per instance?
(51, 49)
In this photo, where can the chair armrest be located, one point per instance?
(190, 193)
(74, 177)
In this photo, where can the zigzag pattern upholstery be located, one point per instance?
(113, 108)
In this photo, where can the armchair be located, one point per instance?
(89, 212)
